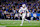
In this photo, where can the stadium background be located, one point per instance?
(9, 8)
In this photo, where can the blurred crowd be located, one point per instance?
(9, 8)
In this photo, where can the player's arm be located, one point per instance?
(20, 11)
(27, 10)
(28, 14)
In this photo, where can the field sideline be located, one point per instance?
(16, 23)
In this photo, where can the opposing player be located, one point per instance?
(23, 11)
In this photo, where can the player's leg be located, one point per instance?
(27, 20)
(23, 17)
(28, 17)
(22, 21)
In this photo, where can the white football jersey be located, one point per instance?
(23, 9)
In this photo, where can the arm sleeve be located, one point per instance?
(19, 10)
(26, 9)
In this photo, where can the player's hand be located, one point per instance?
(20, 12)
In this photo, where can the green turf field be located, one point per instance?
(16, 23)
